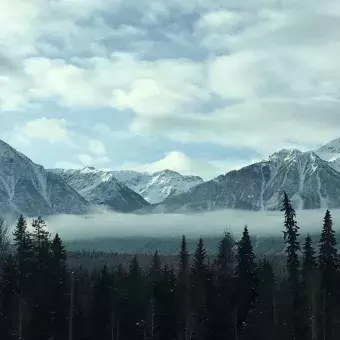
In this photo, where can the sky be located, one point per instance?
(196, 86)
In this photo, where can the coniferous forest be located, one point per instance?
(235, 296)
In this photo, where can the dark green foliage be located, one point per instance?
(329, 277)
(247, 281)
(59, 296)
(101, 311)
(291, 238)
(8, 295)
(237, 297)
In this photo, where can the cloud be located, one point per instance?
(259, 75)
(106, 224)
(52, 130)
(97, 147)
(178, 161)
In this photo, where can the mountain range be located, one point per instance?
(311, 179)
(26, 188)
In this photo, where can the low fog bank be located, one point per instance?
(107, 224)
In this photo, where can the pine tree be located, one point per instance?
(59, 300)
(247, 280)
(310, 288)
(136, 327)
(291, 235)
(183, 292)
(102, 306)
(225, 257)
(25, 259)
(221, 300)
(183, 258)
(328, 265)
(156, 268)
(8, 300)
(199, 276)
(41, 320)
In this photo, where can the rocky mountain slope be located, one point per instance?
(158, 186)
(101, 187)
(309, 181)
(330, 152)
(26, 188)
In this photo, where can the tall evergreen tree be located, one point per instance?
(183, 292)
(41, 319)
(291, 238)
(183, 258)
(310, 288)
(247, 281)
(199, 272)
(328, 264)
(25, 259)
(222, 299)
(102, 306)
(8, 300)
(59, 299)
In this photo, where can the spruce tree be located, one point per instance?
(291, 235)
(328, 265)
(310, 288)
(25, 260)
(8, 300)
(183, 258)
(222, 298)
(247, 280)
(102, 306)
(41, 320)
(291, 238)
(183, 291)
(59, 300)
(199, 277)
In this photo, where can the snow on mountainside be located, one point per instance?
(157, 187)
(309, 181)
(330, 152)
(101, 187)
(27, 188)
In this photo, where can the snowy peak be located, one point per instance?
(285, 155)
(102, 187)
(310, 182)
(158, 186)
(330, 152)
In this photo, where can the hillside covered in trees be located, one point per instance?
(234, 295)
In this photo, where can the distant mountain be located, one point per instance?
(27, 188)
(159, 186)
(309, 181)
(101, 187)
(330, 152)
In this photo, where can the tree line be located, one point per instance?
(236, 296)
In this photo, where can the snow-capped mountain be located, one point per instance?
(27, 188)
(309, 181)
(330, 152)
(158, 186)
(101, 187)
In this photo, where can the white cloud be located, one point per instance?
(97, 147)
(272, 65)
(49, 129)
(178, 161)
